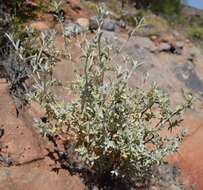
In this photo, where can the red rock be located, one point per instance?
(31, 169)
(23, 142)
(191, 152)
(29, 178)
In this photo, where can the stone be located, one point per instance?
(93, 23)
(164, 47)
(179, 44)
(108, 24)
(179, 47)
(83, 22)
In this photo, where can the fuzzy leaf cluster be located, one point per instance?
(121, 131)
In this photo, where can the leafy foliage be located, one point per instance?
(163, 6)
(196, 32)
(120, 131)
(167, 6)
(43, 64)
(17, 64)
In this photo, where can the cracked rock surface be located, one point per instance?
(24, 163)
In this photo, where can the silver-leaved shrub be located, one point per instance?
(119, 131)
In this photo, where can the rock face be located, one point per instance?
(24, 161)
(35, 178)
